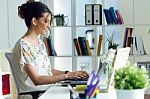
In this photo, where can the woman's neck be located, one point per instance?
(32, 37)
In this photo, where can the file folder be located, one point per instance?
(97, 11)
(88, 14)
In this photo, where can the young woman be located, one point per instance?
(32, 65)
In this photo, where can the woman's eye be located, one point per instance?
(47, 21)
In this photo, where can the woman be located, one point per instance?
(31, 61)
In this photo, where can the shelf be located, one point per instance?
(75, 11)
(77, 56)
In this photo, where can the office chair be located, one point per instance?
(34, 94)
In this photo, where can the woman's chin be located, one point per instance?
(44, 34)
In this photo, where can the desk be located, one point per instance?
(59, 92)
(56, 92)
(110, 95)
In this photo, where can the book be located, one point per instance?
(5, 84)
(114, 16)
(82, 43)
(88, 48)
(127, 35)
(78, 49)
(131, 45)
(140, 45)
(99, 45)
(47, 45)
(119, 17)
(108, 16)
(51, 46)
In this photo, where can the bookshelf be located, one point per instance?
(64, 35)
(67, 58)
(137, 18)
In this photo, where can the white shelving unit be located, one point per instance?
(133, 15)
(136, 16)
(67, 58)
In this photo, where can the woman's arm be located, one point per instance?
(42, 79)
(57, 72)
(59, 75)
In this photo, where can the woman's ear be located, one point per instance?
(34, 21)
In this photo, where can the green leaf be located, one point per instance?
(130, 77)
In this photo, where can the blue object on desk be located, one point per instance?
(92, 83)
(83, 96)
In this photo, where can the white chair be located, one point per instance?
(34, 94)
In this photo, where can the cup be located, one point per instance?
(60, 20)
(84, 66)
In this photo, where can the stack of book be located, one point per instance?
(82, 46)
(113, 16)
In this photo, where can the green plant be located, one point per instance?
(111, 42)
(131, 77)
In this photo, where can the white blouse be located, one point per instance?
(27, 53)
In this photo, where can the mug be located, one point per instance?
(60, 20)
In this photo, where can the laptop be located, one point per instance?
(120, 60)
(83, 81)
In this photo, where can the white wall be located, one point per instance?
(11, 26)
(3, 24)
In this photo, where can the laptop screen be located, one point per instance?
(120, 60)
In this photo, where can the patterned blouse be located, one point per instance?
(26, 53)
(35, 56)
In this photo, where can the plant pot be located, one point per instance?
(130, 94)
(113, 47)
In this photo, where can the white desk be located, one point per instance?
(56, 92)
(59, 92)
(110, 95)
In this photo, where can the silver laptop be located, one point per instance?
(82, 81)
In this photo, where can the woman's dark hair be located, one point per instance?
(32, 9)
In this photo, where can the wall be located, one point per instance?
(11, 26)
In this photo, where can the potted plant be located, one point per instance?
(111, 42)
(130, 82)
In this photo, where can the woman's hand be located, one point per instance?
(78, 75)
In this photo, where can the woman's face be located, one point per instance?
(43, 23)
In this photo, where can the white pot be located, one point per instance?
(130, 94)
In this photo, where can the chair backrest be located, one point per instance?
(34, 94)
(9, 57)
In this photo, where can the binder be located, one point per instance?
(97, 11)
(88, 14)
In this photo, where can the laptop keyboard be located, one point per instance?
(78, 79)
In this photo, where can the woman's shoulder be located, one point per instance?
(20, 43)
